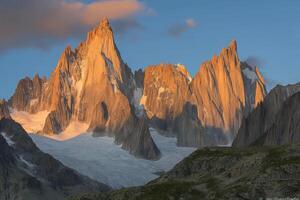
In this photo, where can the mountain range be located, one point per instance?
(94, 90)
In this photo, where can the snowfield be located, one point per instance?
(102, 160)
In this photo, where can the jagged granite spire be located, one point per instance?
(92, 86)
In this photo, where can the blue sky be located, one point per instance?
(267, 32)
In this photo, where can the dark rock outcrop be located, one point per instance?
(4, 111)
(28, 173)
(257, 123)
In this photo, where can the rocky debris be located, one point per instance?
(4, 110)
(263, 117)
(222, 173)
(28, 173)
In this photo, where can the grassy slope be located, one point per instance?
(222, 173)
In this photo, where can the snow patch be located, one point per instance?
(250, 74)
(137, 96)
(8, 139)
(112, 74)
(182, 69)
(28, 164)
(74, 129)
(32, 123)
(102, 160)
(33, 102)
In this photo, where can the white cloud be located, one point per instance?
(42, 22)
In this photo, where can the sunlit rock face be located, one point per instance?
(92, 85)
(274, 121)
(166, 90)
(221, 93)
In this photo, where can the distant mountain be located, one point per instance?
(28, 173)
(92, 89)
(275, 121)
(222, 173)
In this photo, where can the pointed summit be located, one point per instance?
(233, 45)
(104, 23)
(102, 30)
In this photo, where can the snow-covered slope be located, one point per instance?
(32, 123)
(100, 159)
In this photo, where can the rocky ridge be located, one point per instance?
(274, 121)
(28, 173)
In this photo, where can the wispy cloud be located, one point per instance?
(178, 29)
(122, 26)
(256, 61)
(39, 23)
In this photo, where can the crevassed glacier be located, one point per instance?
(100, 159)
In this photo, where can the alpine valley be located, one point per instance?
(104, 127)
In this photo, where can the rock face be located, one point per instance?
(222, 173)
(274, 121)
(28, 173)
(91, 85)
(221, 93)
(4, 111)
(165, 91)
(254, 86)
(189, 129)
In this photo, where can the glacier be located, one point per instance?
(100, 159)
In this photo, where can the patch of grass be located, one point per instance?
(277, 157)
(169, 190)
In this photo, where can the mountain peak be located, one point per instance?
(104, 23)
(233, 45)
(102, 30)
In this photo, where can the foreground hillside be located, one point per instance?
(223, 173)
